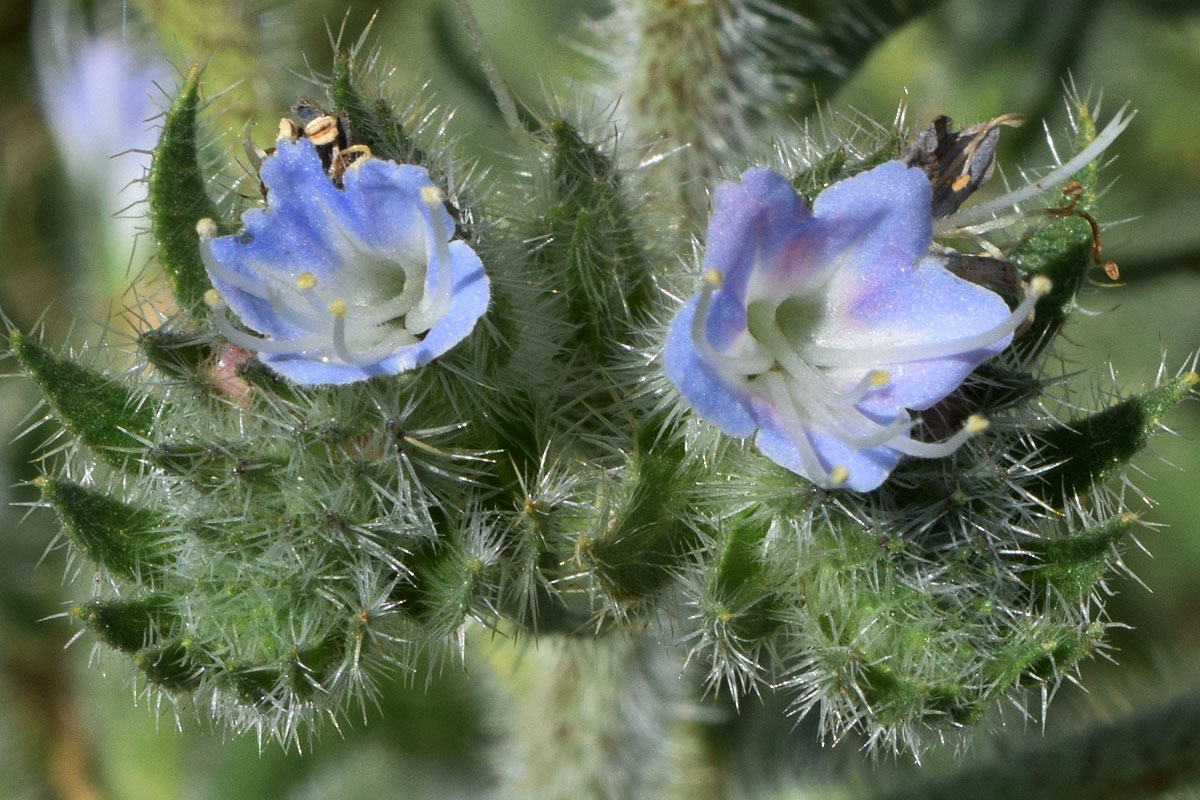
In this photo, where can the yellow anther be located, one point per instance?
(212, 298)
(1190, 379)
(338, 308)
(287, 130)
(305, 281)
(360, 151)
(880, 377)
(839, 475)
(432, 195)
(713, 278)
(1040, 285)
(206, 228)
(976, 423)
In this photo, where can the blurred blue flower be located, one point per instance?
(97, 92)
(819, 331)
(345, 284)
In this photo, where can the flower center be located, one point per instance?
(779, 362)
(372, 305)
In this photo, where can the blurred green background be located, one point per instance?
(73, 731)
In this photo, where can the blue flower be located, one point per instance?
(97, 93)
(819, 332)
(344, 284)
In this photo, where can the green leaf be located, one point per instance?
(124, 539)
(1091, 449)
(645, 540)
(178, 200)
(1073, 565)
(126, 625)
(171, 665)
(591, 239)
(107, 417)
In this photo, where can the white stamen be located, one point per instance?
(437, 300)
(306, 344)
(217, 269)
(740, 365)
(1057, 176)
(777, 392)
(975, 424)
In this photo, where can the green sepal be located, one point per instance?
(739, 582)
(253, 685)
(178, 200)
(590, 236)
(171, 665)
(1062, 251)
(175, 353)
(372, 122)
(1074, 565)
(308, 668)
(127, 625)
(212, 465)
(104, 415)
(836, 165)
(1040, 651)
(1091, 449)
(126, 540)
(645, 540)
(449, 585)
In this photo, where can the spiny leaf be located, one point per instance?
(645, 540)
(1093, 448)
(172, 665)
(592, 238)
(1072, 566)
(106, 416)
(126, 540)
(126, 625)
(178, 200)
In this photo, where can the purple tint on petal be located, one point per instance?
(886, 213)
(858, 273)
(751, 220)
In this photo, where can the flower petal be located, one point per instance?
(708, 394)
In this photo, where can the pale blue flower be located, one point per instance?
(818, 332)
(97, 93)
(341, 285)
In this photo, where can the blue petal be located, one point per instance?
(877, 224)
(929, 305)
(750, 222)
(867, 468)
(472, 291)
(711, 397)
(377, 220)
